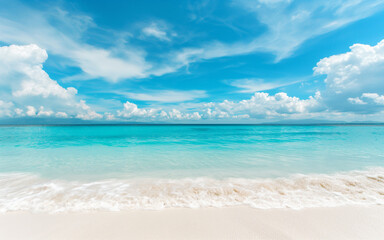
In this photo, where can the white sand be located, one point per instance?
(229, 223)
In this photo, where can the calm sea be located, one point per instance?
(82, 168)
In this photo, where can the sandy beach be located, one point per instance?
(337, 223)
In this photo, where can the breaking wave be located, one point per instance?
(26, 192)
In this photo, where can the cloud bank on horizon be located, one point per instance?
(182, 61)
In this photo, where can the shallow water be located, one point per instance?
(112, 167)
(98, 152)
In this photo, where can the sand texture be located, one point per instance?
(211, 223)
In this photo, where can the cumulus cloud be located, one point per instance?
(356, 100)
(44, 113)
(132, 112)
(29, 91)
(361, 68)
(354, 77)
(61, 115)
(28, 88)
(22, 69)
(262, 105)
(354, 80)
(372, 98)
(85, 112)
(376, 98)
(31, 111)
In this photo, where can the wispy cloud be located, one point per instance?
(168, 96)
(289, 24)
(61, 33)
(257, 85)
(158, 31)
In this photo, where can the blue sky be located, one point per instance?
(240, 61)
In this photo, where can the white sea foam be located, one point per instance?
(25, 192)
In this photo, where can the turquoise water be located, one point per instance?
(97, 152)
(113, 168)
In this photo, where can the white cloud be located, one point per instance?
(86, 113)
(44, 113)
(5, 109)
(109, 116)
(263, 105)
(356, 100)
(61, 115)
(354, 91)
(177, 115)
(361, 68)
(376, 98)
(289, 24)
(132, 112)
(31, 111)
(354, 80)
(270, 2)
(24, 83)
(257, 85)
(260, 106)
(19, 112)
(349, 75)
(100, 63)
(156, 31)
(61, 33)
(168, 96)
(23, 64)
(372, 98)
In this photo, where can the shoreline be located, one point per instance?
(347, 222)
(28, 192)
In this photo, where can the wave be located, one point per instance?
(27, 192)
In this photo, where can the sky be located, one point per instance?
(200, 61)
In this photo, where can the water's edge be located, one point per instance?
(28, 192)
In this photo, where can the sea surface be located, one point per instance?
(121, 167)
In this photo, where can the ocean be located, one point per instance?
(122, 167)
